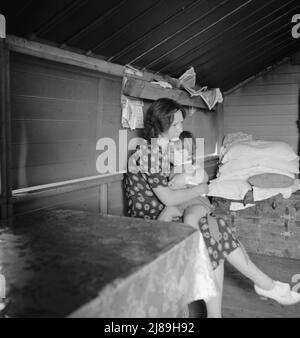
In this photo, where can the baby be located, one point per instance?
(185, 174)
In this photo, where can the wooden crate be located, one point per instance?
(271, 227)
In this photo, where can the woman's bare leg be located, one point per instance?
(243, 263)
(214, 305)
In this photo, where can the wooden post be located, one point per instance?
(5, 134)
(220, 112)
(104, 199)
(3, 192)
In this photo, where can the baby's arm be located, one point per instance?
(199, 176)
(191, 178)
(178, 181)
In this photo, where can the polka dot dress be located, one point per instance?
(143, 203)
(142, 178)
(219, 248)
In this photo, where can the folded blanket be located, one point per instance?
(279, 150)
(245, 162)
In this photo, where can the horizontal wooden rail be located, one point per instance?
(31, 199)
(80, 184)
(64, 187)
(70, 57)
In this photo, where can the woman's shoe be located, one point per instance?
(281, 292)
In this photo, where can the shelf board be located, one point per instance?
(141, 89)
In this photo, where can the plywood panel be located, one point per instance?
(27, 63)
(35, 108)
(204, 125)
(116, 199)
(49, 131)
(287, 68)
(258, 100)
(49, 153)
(281, 120)
(109, 113)
(37, 175)
(278, 79)
(79, 200)
(270, 110)
(257, 129)
(5, 132)
(54, 109)
(42, 85)
(267, 89)
(268, 107)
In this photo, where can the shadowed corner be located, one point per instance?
(197, 309)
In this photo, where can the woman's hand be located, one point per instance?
(204, 189)
(178, 182)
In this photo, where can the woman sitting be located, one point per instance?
(148, 193)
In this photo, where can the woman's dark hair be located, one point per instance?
(160, 117)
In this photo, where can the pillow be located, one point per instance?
(260, 148)
(230, 189)
(245, 174)
(259, 161)
(269, 180)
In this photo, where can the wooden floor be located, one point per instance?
(240, 299)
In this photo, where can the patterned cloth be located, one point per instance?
(142, 202)
(161, 289)
(147, 170)
(220, 239)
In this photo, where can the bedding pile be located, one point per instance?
(263, 168)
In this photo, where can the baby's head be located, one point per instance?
(184, 148)
(189, 142)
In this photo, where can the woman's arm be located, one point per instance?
(181, 181)
(171, 197)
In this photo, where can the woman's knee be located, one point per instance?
(191, 219)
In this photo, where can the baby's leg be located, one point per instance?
(169, 213)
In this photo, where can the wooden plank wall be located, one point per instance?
(3, 209)
(268, 107)
(204, 124)
(5, 135)
(59, 112)
(53, 117)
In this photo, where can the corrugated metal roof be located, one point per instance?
(226, 41)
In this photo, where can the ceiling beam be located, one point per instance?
(52, 53)
(47, 52)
